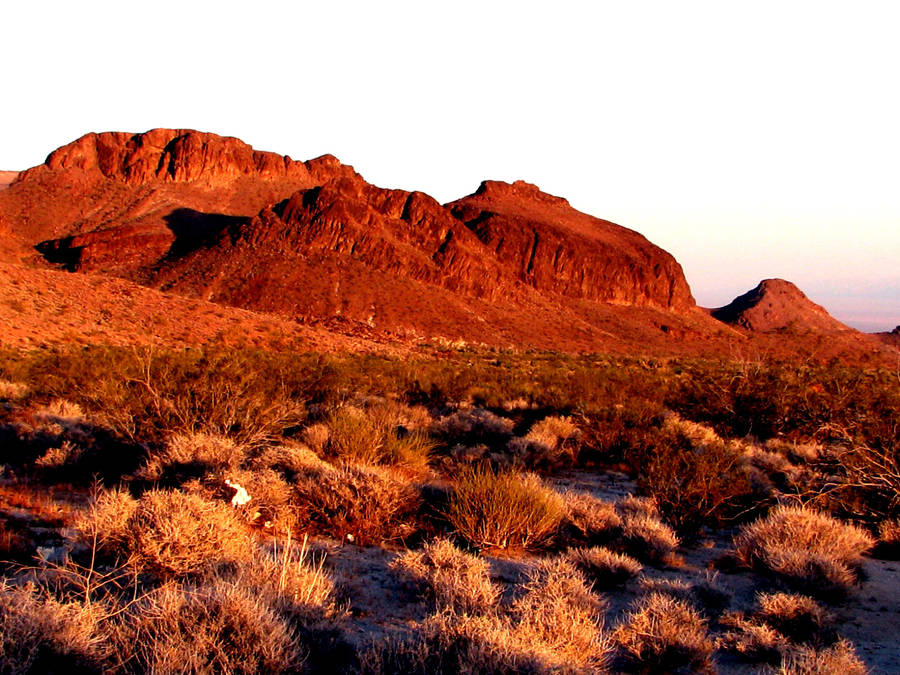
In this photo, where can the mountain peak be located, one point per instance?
(777, 304)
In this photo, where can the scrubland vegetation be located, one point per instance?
(195, 511)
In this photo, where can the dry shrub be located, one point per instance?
(193, 454)
(664, 634)
(798, 617)
(218, 627)
(375, 436)
(780, 621)
(106, 523)
(706, 594)
(12, 391)
(590, 520)
(805, 547)
(696, 477)
(474, 426)
(504, 509)
(751, 639)
(450, 643)
(290, 459)
(603, 567)
(456, 580)
(561, 617)
(168, 533)
(549, 442)
(40, 634)
(649, 539)
(889, 539)
(554, 627)
(840, 659)
(368, 503)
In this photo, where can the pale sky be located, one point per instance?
(750, 140)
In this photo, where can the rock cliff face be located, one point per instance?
(207, 216)
(776, 304)
(116, 202)
(554, 248)
(176, 155)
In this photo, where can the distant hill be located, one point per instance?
(776, 304)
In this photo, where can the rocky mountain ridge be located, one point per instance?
(209, 217)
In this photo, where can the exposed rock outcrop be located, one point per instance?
(554, 248)
(177, 155)
(210, 217)
(776, 304)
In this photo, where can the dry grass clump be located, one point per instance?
(549, 442)
(504, 509)
(664, 634)
(167, 533)
(40, 634)
(375, 436)
(553, 627)
(590, 520)
(560, 616)
(456, 580)
(798, 617)
(706, 593)
(781, 621)
(889, 539)
(649, 539)
(808, 548)
(450, 643)
(840, 659)
(605, 568)
(476, 425)
(12, 391)
(217, 627)
(192, 454)
(371, 504)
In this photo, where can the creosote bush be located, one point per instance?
(810, 549)
(456, 580)
(504, 509)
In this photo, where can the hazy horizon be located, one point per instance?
(748, 142)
